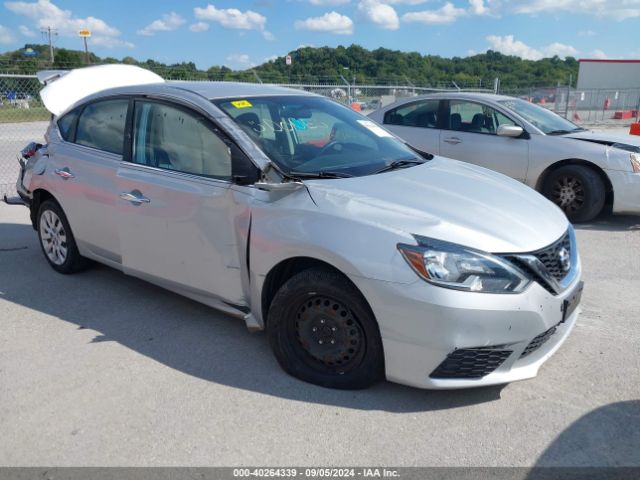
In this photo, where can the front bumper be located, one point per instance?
(422, 324)
(626, 191)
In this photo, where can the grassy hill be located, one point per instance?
(325, 65)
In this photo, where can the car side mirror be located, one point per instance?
(243, 170)
(509, 131)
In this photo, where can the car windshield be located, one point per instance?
(315, 136)
(547, 121)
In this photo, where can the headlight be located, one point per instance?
(455, 266)
(635, 162)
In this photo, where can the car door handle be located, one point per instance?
(64, 173)
(133, 198)
(453, 140)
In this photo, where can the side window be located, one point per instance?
(101, 125)
(170, 138)
(475, 117)
(67, 123)
(422, 114)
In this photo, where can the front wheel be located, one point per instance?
(578, 190)
(322, 331)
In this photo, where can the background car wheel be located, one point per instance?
(322, 331)
(578, 190)
(57, 242)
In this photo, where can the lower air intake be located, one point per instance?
(471, 362)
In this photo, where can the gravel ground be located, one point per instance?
(100, 369)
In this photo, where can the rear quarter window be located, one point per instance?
(67, 124)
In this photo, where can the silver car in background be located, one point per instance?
(361, 257)
(577, 169)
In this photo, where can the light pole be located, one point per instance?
(348, 86)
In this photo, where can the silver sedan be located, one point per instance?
(577, 169)
(359, 256)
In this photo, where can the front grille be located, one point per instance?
(471, 362)
(550, 257)
(537, 342)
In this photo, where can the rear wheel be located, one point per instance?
(57, 242)
(578, 190)
(322, 331)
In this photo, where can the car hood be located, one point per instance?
(448, 200)
(606, 138)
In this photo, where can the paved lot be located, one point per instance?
(102, 369)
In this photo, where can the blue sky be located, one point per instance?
(246, 32)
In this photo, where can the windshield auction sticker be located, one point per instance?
(241, 104)
(369, 125)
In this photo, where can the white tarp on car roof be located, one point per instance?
(62, 91)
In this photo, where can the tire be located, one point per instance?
(56, 239)
(578, 190)
(326, 301)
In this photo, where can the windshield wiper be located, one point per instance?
(321, 174)
(400, 164)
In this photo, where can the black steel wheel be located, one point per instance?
(323, 332)
(328, 335)
(578, 190)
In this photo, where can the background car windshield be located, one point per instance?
(311, 135)
(542, 118)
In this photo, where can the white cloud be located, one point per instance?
(271, 58)
(231, 17)
(559, 49)
(331, 22)
(199, 27)
(24, 30)
(168, 22)
(616, 9)
(405, 2)
(45, 13)
(379, 13)
(587, 33)
(508, 45)
(329, 2)
(598, 54)
(110, 42)
(448, 13)
(478, 7)
(6, 35)
(268, 36)
(239, 60)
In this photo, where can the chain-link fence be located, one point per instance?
(23, 118)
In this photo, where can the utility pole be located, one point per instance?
(50, 32)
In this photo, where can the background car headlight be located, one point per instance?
(635, 162)
(455, 266)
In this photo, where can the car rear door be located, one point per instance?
(175, 204)
(83, 165)
(469, 134)
(417, 123)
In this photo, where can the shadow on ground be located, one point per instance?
(606, 437)
(612, 223)
(182, 334)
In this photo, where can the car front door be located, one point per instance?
(175, 204)
(84, 164)
(417, 123)
(470, 134)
